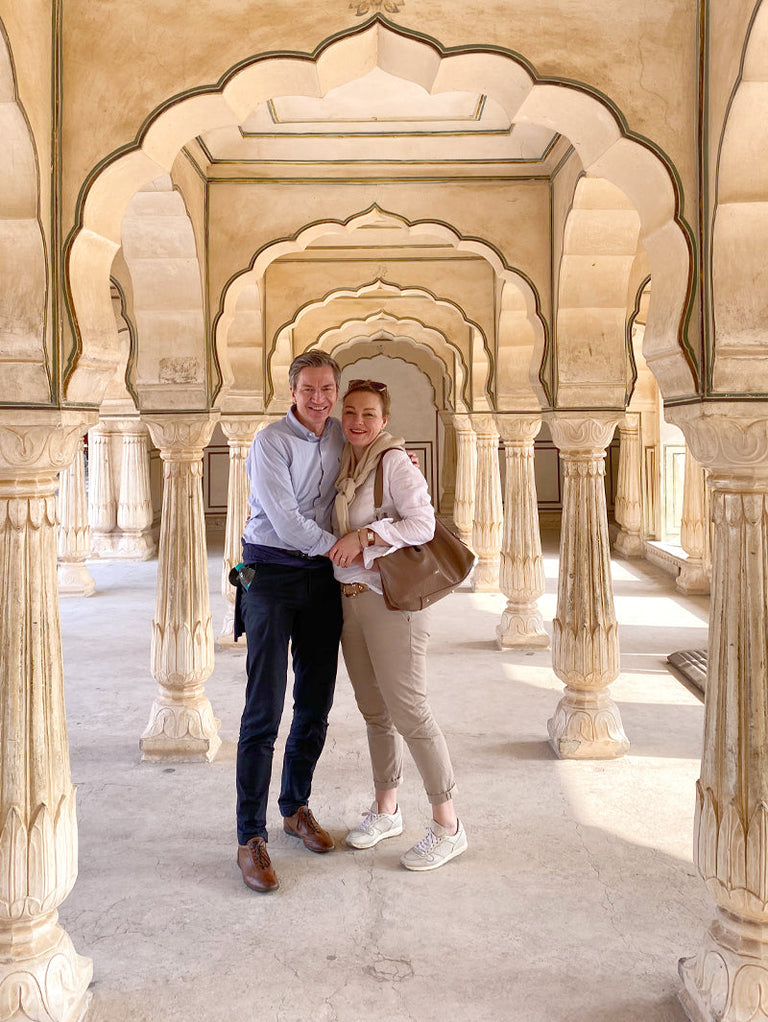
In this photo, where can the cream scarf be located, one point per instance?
(352, 475)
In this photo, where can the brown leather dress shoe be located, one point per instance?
(303, 825)
(253, 860)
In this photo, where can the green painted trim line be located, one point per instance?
(468, 179)
(57, 274)
(703, 275)
(628, 339)
(709, 224)
(133, 351)
(194, 164)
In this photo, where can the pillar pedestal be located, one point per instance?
(489, 515)
(41, 975)
(181, 724)
(727, 980)
(522, 567)
(74, 535)
(585, 645)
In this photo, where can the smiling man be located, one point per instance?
(292, 597)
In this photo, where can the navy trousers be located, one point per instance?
(301, 606)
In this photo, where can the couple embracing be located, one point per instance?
(313, 538)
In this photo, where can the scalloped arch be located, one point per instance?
(600, 137)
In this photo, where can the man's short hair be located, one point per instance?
(312, 360)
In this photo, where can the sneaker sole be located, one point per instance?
(417, 867)
(394, 832)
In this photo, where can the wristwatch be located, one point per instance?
(370, 537)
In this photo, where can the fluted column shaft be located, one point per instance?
(489, 513)
(239, 433)
(74, 540)
(102, 508)
(466, 476)
(134, 504)
(39, 968)
(585, 644)
(728, 979)
(694, 529)
(181, 724)
(522, 567)
(629, 491)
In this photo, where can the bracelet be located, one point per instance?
(360, 540)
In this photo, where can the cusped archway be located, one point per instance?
(604, 145)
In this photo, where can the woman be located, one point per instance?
(385, 650)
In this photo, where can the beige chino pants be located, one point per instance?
(385, 653)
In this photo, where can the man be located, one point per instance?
(292, 467)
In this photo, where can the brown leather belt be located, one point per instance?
(353, 588)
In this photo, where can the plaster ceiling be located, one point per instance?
(384, 119)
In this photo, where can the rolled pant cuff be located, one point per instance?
(443, 796)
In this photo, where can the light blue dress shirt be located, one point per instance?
(292, 475)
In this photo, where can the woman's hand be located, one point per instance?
(347, 550)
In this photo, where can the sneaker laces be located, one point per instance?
(369, 818)
(427, 843)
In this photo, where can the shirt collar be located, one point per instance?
(301, 430)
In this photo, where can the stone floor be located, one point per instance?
(573, 903)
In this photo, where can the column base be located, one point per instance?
(184, 732)
(587, 725)
(47, 987)
(485, 577)
(75, 579)
(123, 546)
(727, 981)
(629, 544)
(521, 627)
(693, 579)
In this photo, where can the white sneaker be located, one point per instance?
(436, 848)
(375, 827)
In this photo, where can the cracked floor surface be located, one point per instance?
(573, 903)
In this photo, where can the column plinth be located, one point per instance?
(74, 541)
(629, 491)
(181, 725)
(694, 530)
(521, 576)
(585, 644)
(239, 432)
(727, 979)
(41, 975)
(488, 515)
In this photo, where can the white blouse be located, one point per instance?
(407, 517)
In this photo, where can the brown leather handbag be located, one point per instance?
(414, 577)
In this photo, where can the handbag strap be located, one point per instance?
(378, 484)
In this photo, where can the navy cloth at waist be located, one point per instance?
(253, 553)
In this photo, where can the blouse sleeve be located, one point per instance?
(410, 516)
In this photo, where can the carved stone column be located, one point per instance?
(585, 645)
(522, 566)
(489, 512)
(102, 508)
(134, 505)
(41, 975)
(629, 491)
(239, 433)
(74, 536)
(181, 723)
(466, 475)
(728, 979)
(694, 529)
(447, 473)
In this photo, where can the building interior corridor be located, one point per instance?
(574, 901)
(543, 225)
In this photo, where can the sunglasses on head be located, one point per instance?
(368, 384)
